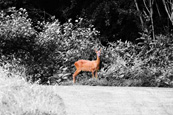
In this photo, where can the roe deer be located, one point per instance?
(86, 65)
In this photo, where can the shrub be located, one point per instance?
(158, 51)
(65, 44)
(144, 64)
(48, 52)
(117, 58)
(17, 38)
(48, 56)
(16, 33)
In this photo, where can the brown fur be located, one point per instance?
(86, 65)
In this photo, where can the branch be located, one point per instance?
(152, 2)
(166, 9)
(146, 6)
(167, 6)
(137, 7)
(158, 9)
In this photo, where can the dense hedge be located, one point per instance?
(47, 56)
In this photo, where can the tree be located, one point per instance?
(168, 5)
(149, 13)
(115, 19)
(140, 15)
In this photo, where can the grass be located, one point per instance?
(17, 97)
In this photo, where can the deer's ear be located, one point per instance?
(100, 49)
(95, 50)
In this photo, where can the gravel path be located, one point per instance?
(96, 100)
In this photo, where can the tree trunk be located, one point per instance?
(140, 17)
(169, 13)
(151, 17)
(150, 14)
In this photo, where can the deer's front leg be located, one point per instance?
(92, 73)
(96, 75)
(75, 74)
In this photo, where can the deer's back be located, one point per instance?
(86, 65)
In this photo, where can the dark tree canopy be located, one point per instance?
(115, 19)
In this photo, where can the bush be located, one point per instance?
(145, 64)
(158, 51)
(65, 44)
(117, 58)
(49, 52)
(48, 56)
(17, 38)
(16, 33)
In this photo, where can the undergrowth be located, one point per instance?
(47, 56)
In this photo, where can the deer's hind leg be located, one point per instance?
(75, 74)
(96, 75)
(92, 73)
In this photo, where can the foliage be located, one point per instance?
(47, 52)
(158, 51)
(17, 37)
(16, 32)
(112, 18)
(66, 43)
(148, 63)
(47, 56)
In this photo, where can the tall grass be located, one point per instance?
(17, 97)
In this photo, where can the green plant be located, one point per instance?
(48, 52)
(117, 58)
(16, 33)
(156, 52)
(63, 42)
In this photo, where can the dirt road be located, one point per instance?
(88, 100)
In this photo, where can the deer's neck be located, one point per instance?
(98, 60)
